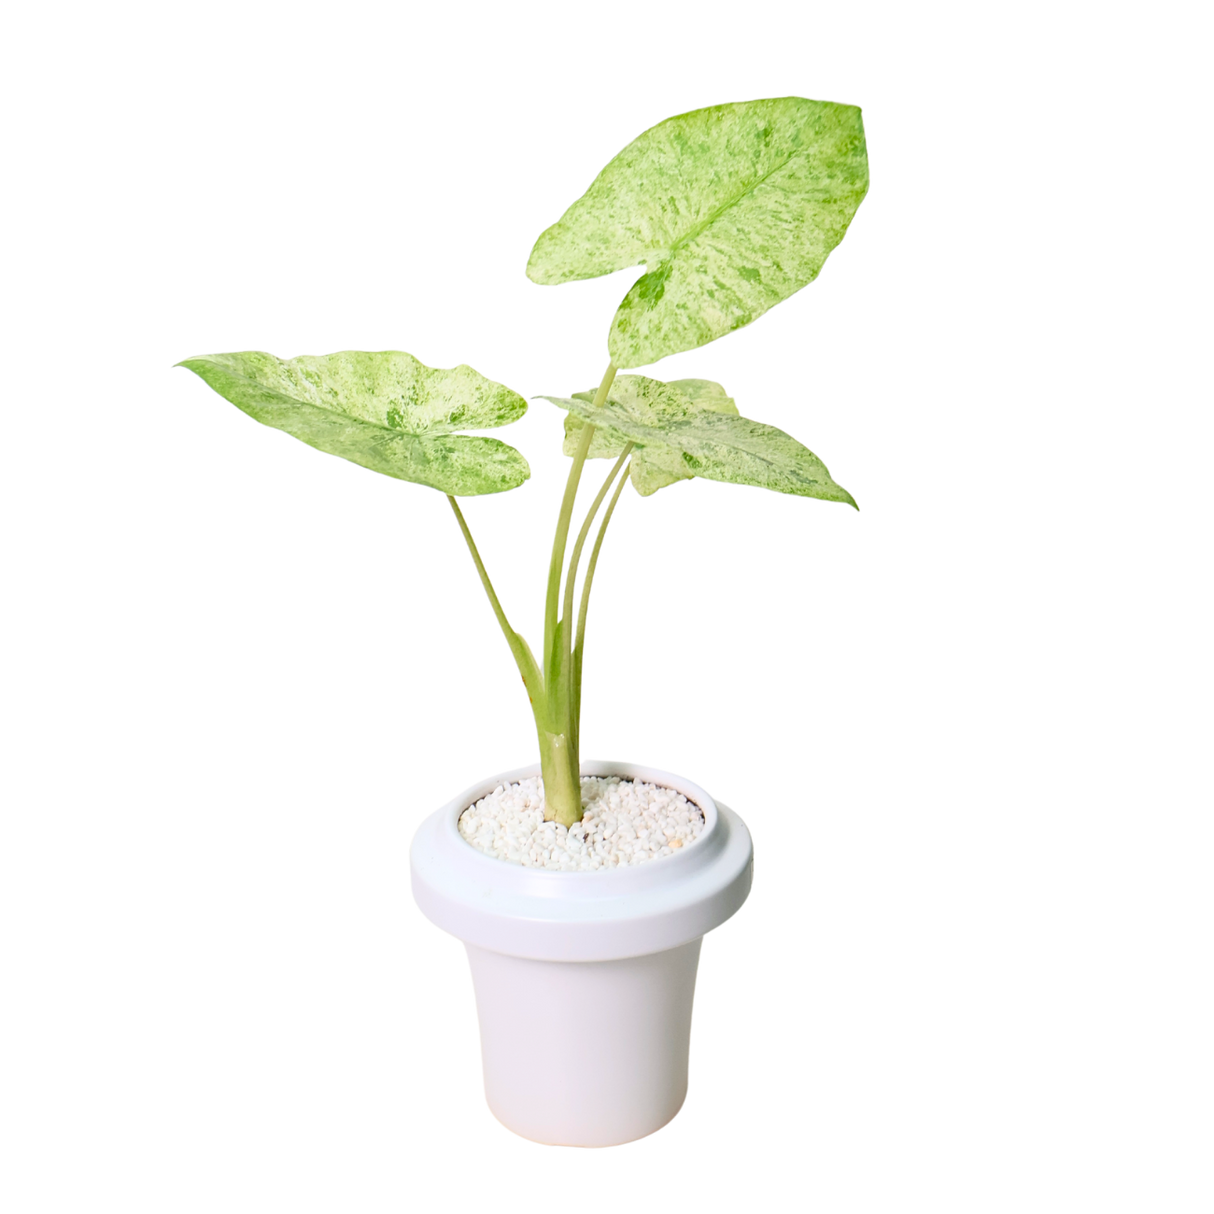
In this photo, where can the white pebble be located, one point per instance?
(624, 822)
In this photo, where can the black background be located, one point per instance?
(349, 676)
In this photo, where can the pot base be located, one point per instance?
(590, 1053)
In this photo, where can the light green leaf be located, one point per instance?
(649, 472)
(731, 208)
(385, 411)
(679, 439)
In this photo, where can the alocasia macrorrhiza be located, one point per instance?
(731, 209)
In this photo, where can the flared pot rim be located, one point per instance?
(586, 915)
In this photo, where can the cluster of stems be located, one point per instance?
(555, 690)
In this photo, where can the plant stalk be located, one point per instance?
(579, 543)
(533, 680)
(580, 641)
(558, 746)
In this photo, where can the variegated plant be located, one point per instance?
(730, 209)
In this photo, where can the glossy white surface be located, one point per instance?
(581, 916)
(614, 1063)
(599, 967)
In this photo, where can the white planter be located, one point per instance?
(584, 980)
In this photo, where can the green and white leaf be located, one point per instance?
(649, 472)
(732, 209)
(679, 438)
(385, 411)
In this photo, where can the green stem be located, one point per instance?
(579, 644)
(532, 678)
(559, 546)
(591, 516)
(560, 749)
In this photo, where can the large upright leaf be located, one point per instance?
(679, 438)
(731, 208)
(385, 411)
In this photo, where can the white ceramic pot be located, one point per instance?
(598, 967)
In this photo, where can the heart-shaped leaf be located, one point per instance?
(385, 411)
(678, 439)
(649, 472)
(731, 208)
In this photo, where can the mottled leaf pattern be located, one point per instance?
(731, 208)
(650, 472)
(385, 411)
(680, 439)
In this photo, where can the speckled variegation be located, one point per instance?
(385, 411)
(648, 476)
(679, 438)
(731, 208)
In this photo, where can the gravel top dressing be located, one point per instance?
(624, 822)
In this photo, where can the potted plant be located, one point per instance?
(582, 890)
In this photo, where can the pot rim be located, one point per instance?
(608, 882)
(583, 915)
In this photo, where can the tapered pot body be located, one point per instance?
(614, 1067)
(584, 980)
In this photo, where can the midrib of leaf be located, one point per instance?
(742, 440)
(674, 437)
(755, 455)
(336, 413)
(705, 224)
(679, 431)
